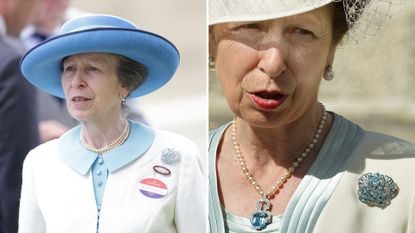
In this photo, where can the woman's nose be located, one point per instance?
(78, 80)
(272, 61)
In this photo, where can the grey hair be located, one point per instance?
(131, 73)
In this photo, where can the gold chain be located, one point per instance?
(287, 174)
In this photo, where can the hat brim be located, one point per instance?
(42, 65)
(222, 14)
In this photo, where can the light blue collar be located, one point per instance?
(77, 157)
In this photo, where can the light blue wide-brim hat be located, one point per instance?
(42, 65)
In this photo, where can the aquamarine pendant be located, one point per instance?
(261, 217)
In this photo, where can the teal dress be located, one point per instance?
(313, 192)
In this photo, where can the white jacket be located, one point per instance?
(57, 199)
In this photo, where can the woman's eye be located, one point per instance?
(68, 69)
(252, 26)
(302, 31)
(248, 26)
(91, 69)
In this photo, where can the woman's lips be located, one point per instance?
(80, 101)
(79, 98)
(268, 100)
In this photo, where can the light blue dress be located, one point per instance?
(313, 192)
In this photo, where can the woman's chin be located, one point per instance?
(81, 116)
(263, 119)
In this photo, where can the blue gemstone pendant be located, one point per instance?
(261, 217)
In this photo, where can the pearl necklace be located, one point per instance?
(119, 141)
(262, 217)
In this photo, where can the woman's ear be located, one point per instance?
(212, 42)
(123, 92)
(331, 54)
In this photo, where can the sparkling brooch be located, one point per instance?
(376, 189)
(170, 156)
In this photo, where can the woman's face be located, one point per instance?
(270, 70)
(91, 85)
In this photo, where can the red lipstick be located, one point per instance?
(268, 100)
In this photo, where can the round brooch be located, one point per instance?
(376, 189)
(170, 156)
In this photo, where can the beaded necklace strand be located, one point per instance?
(262, 217)
(119, 141)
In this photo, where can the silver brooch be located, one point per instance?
(376, 189)
(170, 156)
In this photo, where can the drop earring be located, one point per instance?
(329, 75)
(211, 63)
(123, 101)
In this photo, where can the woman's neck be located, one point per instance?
(281, 144)
(102, 133)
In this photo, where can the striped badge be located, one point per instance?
(152, 188)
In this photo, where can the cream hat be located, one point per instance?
(364, 17)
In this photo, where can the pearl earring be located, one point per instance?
(211, 63)
(329, 75)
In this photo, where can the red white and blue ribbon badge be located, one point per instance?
(153, 188)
